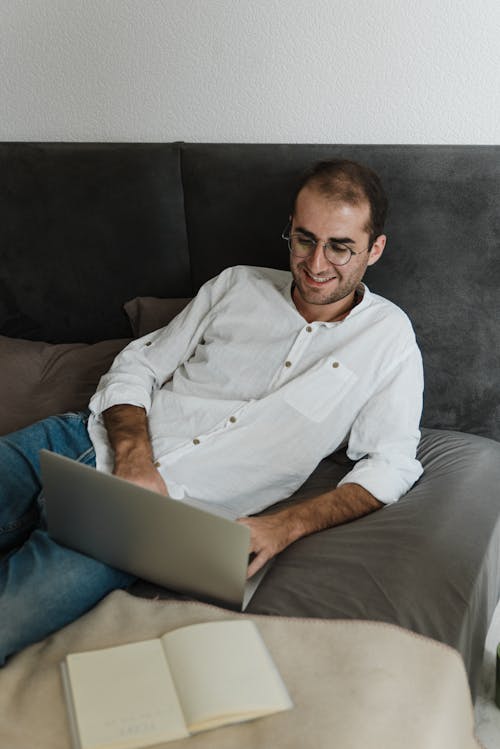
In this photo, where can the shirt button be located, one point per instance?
(148, 343)
(196, 441)
(335, 364)
(232, 419)
(288, 364)
(309, 329)
(157, 464)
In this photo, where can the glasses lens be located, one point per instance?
(337, 255)
(300, 245)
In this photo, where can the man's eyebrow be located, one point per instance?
(335, 240)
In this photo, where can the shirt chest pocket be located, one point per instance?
(316, 393)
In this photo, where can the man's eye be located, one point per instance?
(339, 249)
(305, 241)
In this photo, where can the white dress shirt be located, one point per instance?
(245, 398)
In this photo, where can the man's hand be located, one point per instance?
(142, 473)
(269, 534)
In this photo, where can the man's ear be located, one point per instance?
(377, 249)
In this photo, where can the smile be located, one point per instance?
(318, 279)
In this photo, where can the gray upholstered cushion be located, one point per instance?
(41, 379)
(149, 313)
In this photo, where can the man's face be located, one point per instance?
(317, 281)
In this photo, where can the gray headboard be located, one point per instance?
(84, 227)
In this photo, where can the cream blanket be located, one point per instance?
(354, 684)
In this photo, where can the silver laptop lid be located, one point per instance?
(154, 537)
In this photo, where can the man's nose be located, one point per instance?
(317, 261)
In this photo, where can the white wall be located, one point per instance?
(346, 71)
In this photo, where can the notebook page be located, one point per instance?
(223, 673)
(124, 696)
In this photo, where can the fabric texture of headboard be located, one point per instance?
(86, 227)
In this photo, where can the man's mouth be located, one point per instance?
(318, 279)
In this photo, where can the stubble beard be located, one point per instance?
(319, 296)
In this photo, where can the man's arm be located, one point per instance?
(272, 533)
(148, 362)
(127, 428)
(383, 440)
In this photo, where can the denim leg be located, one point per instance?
(43, 585)
(20, 482)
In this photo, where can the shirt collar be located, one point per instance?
(362, 290)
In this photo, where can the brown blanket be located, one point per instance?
(354, 684)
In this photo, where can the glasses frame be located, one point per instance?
(287, 236)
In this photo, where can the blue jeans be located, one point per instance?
(43, 585)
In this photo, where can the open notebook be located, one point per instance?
(192, 679)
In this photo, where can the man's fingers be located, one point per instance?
(257, 562)
(262, 543)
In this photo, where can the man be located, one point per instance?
(235, 403)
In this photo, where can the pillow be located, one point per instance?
(41, 379)
(147, 313)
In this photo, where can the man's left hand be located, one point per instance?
(269, 534)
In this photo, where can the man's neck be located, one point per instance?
(335, 312)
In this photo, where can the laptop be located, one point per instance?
(156, 538)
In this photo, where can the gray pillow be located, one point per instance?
(147, 313)
(41, 379)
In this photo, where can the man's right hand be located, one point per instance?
(142, 473)
(128, 434)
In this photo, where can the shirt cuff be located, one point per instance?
(386, 481)
(118, 394)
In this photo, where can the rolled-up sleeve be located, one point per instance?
(148, 362)
(385, 434)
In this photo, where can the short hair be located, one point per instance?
(349, 182)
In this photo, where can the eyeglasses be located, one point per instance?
(303, 246)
